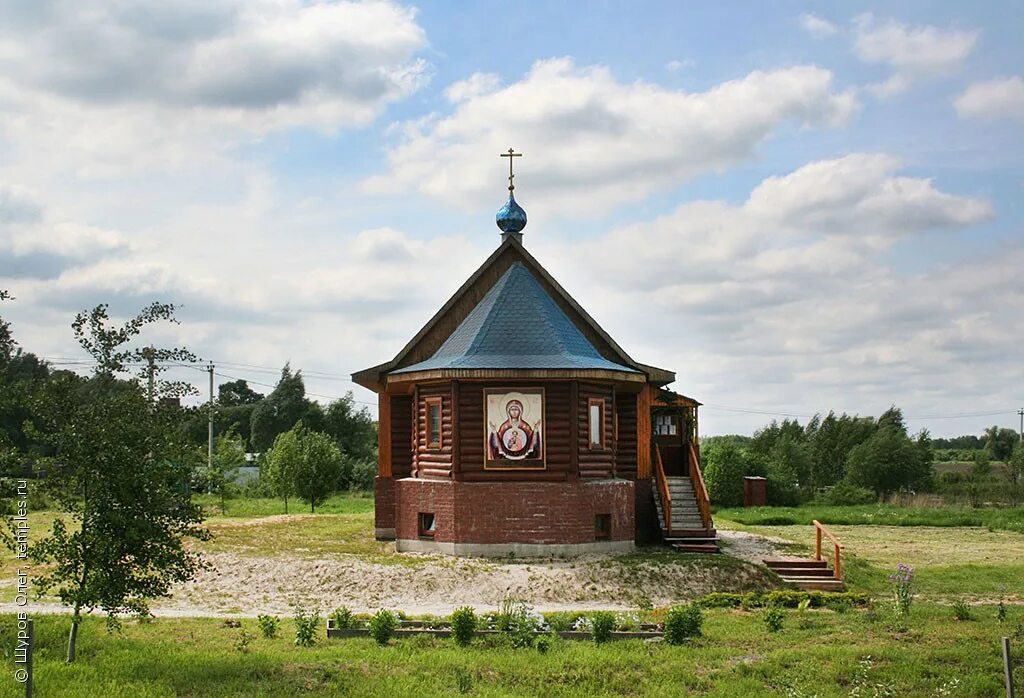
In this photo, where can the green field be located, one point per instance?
(819, 653)
(1007, 519)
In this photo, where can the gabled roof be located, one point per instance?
(517, 324)
(432, 336)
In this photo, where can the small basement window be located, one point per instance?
(426, 525)
(595, 418)
(434, 422)
(603, 527)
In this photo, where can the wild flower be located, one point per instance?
(903, 594)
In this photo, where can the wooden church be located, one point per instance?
(513, 424)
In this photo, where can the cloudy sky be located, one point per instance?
(799, 209)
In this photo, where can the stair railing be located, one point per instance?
(700, 491)
(820, 530)
(663, 491)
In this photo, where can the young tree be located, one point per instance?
(724, 467)
(281, 461)
(320, 469)
(1000, 442)
(119, 468)
(228, 457)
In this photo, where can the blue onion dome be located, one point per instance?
(511, 217)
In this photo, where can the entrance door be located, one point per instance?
(671, 440)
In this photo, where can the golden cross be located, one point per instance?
(511, 154)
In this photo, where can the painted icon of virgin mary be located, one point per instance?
(515, 438)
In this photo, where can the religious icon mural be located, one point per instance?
(515, 426)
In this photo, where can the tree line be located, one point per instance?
(849, 459)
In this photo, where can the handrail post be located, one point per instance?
(817, 545)
(839, 564)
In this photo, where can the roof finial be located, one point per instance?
(511, 217)
(511, 154)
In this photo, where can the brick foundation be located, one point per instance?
(384, 508)
(524, 518)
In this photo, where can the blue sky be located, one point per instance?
(796, 206)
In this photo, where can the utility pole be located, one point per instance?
(209, 444)
(149, 353)
(1021, 413)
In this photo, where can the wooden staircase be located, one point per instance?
(805, 573)
(812, 573)
(685, 519)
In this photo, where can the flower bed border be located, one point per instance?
(410, 628)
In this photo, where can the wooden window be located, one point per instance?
(603, 527)
(434, 439)
(426, 525)
(595, 420)
(665, 425)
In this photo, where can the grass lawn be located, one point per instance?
(996, 518)
(820, 653)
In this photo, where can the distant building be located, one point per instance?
(512, 423)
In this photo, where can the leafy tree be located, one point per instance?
(237, 392)
(789, 466)
(7, 343)
(831, 439)
(1000, 442)
(890, 461)
(118, 468)
(724, 468)
(280, 410)
(321, 469)
(354, 430)
(228, 457)
(280, 463)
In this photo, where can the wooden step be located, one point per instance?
(816, 583)
(786, 572)
(690, 533)
(793, 562)
(710, 548)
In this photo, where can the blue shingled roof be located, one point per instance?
(516, 325)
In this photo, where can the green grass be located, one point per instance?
(1008, 519)
(248, 507)
(817, 652)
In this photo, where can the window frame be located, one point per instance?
(602, 532)
(601, 403)
(439, 403)
(422, 530)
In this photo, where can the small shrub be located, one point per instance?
(1001, 611)
(382, 626)
(773, 619)
(643, 602)
(343, 618)
(243, 641)
(602, 623)
(306, 623)
(543, 643)
(845, 494)
(463, 624)
(561, 621)
(518, 621)
(961, 610)
(268, 626)
(683, 622)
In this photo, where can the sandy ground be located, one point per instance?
(240, 585)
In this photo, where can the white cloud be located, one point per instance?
(777, 293)
(675, 66)
(912, 52)
(591, 142)
(107, 89)
(475, 85)
(817, 27)
(1001, 98)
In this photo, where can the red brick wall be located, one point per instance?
(384, 502)
(515, 512)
